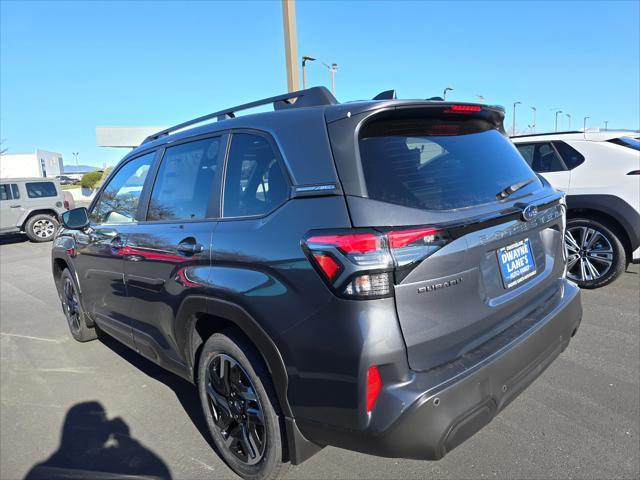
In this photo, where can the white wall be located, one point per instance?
(19, 165)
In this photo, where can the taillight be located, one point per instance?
(362, 264)
(66, 204)
(374, 385)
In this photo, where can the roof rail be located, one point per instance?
(544, 134)
(311, 97)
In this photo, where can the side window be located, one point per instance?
(255, 183)
(15, 191)
(41, 189)
(184, 182)
(5, 192)
(118, 202)
(572, 158)
(541, 157)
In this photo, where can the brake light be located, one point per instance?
(374, 385)
(327, 264)
(66, 204)
(361, 264)
(463, 109)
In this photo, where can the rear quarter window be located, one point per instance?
(41, 189)
(439, 164)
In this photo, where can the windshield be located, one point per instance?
(439, 165)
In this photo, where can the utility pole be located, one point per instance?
(569, 117)
(444, 94)
(513, 130)
(290, 44)
(533, 125)
(557, 113)
(304, 69)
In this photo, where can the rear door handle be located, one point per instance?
(15, 206)
(190, 248)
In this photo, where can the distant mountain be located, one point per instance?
(80, 168)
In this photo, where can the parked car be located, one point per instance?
(382, 276)
(600, 173)
(32, 206)
(66, 180)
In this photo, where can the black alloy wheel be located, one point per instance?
(236, 409)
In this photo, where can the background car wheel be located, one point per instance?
(240, 408)
(596, 257)
(76, 318)
(41, 228)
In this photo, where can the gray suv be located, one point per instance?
(32, 206)
(383, 276)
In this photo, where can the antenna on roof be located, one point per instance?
(386, 95)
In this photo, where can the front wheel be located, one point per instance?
(240, 408)
(596, 257)
(72, 308)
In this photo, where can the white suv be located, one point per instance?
(600, 173)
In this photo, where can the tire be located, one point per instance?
(229, 408)
(596, 256)
(72, 308)
(41, 227)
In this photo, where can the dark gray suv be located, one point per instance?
(383, 276)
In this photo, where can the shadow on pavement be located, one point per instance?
(186, 393)
(8, 239)
(93, 447)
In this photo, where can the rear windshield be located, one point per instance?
(437, 164)
(626, 142)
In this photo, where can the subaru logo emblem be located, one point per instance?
(529, 212)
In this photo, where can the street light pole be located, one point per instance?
(480, 98)
(569, 117)
(513, 130)
(304, 72)
(557, 113)
(444, 94)
(75, 156)
(533, 125)
(584, 124)
(606, 125)
(333, 68)
(290, 44)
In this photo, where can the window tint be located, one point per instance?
(427, 163)
(119, 200)
(185, 181)
(255, 184)
(41, 189)
(571, 157)
(5, 192)
(15, 191)
(541, 157)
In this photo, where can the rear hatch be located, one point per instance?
(475, 236)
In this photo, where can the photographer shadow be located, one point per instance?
(93, 447)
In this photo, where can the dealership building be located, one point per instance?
(40, 163)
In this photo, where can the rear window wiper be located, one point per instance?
(502, 194)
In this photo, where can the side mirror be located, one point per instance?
(75, 219)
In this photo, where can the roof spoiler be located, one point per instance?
(311, 97)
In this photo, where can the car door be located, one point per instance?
(100, 248)
(167, 257)
(10, 206)
(543, 158)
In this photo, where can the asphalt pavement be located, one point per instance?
(60, 399)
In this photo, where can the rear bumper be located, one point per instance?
(426, 417)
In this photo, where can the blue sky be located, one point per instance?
(69, 66)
